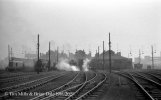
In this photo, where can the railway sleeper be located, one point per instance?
(90, 92)
(31, 87)
(17, 86)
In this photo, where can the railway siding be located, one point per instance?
(30, 85)
(145, 87)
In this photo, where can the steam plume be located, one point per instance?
(64, 65)
(85, 65)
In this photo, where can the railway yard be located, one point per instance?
(79, 85)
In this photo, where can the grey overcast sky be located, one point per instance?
(81, 24)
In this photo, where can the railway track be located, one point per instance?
(76, 89)
(78, 79)
(19, 76)
(12, 75)
(29, 85)
(146, 88)
(88, 90)
(73, 90)
(152, 76)
(20, 79)
(11, 79)
(151, 86)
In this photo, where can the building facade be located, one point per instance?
(118, 62)
(147, 62)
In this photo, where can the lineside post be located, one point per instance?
(109, 53)
(103, 57)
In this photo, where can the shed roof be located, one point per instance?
(113, 55)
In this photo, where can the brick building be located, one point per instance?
(118, 62)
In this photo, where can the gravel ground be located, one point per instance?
(119, 90)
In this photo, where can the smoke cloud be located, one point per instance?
(3, 63)
(64, 65)
(86, 65)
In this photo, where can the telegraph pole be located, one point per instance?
(152, 57)
(57, 54)
(109, 52)
(103, 57)
(129, 54)
(98, 58)
(49, 57)
(98, 52)
(8, 53)
(38, 66)
(11, 54)
(38, 48)
(96, 55)
(139, 57)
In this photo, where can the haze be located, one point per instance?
(80, 24)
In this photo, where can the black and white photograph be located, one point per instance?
(80, 49)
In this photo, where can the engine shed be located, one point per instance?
(118, 62)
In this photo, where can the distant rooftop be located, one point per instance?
(113, 55)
